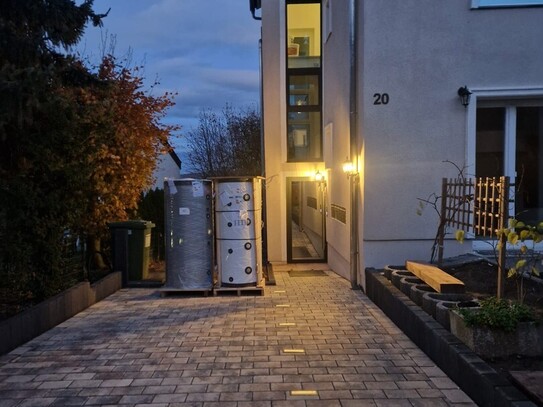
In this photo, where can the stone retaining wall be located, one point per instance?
(32, 322)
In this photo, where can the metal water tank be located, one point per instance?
(240, 224)
(189, 233)
(238, 230)
(238, 193)
(238, 261)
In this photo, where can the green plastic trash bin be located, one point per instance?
(131, 249)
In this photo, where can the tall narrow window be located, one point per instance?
(490, 142)
(529, 164)
(304, 129)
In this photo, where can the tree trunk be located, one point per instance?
(95, 253)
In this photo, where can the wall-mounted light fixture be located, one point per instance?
(465, 95)
(349, 168)
(320, 179)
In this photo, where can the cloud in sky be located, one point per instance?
(206, 51)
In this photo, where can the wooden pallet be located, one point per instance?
(239, 291)
(183, 292)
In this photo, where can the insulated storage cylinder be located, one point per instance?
(238, 194)
(240, 224)
(238, 260)
(188, 234)
(238, 230)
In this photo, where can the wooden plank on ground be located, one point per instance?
(436, 278)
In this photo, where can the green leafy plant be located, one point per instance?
(497, 314)
(522, 239)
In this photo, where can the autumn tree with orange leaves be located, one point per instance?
(77, 145)
(125, 139)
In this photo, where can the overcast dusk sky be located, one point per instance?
(206, 51)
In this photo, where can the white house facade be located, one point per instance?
(168, 166)
(376, 84)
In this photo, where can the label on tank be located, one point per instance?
(184, 211)
(197, 189)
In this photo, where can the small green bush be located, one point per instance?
(497, 314)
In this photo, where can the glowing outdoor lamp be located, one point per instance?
(349, 168)
(319, 177)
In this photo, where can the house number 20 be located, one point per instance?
(380, 98)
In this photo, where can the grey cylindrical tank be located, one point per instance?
(189, 233)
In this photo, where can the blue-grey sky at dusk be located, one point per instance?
(206, 51)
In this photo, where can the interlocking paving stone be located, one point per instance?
(170, 398)
(136, 348)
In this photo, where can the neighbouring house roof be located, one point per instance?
(173, 154)
(175, 157)
(168, 165)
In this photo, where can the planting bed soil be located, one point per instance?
(479, 277)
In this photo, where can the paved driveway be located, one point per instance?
(307, 333)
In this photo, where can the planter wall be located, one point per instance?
(397, 275)
(25, 326)
(526, 340)
(389, 269)
(430, 300)
(476, 378)
(443, 311)
(417, 292)
(407, 282)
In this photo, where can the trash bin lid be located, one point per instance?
(132, 224)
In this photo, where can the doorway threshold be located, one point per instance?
(300, 266)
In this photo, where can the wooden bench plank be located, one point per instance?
(436, 278)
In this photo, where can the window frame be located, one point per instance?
(484, 97)
(326, 16)
(485, 4)
(310, 71)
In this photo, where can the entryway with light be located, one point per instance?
(306, 226)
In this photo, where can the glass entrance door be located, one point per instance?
(306, 234)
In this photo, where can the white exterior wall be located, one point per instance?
(166, 168)
(336, 111)
(275, 140)
(273, 62)
(419, 52)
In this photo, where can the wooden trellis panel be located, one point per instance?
(490, 206)
(457, 205)
(479, 206)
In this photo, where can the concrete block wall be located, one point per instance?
(31, 323)
(473, 375)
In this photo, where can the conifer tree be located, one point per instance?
(40, 146)
(77, 145)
